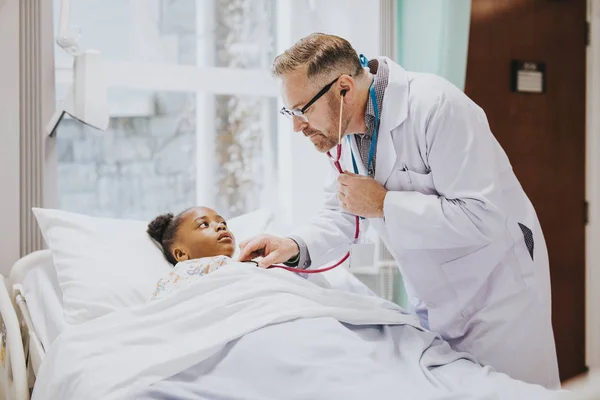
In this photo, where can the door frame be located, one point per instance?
(592, 171)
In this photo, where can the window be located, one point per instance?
(193, 108)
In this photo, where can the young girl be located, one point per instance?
(195, 241)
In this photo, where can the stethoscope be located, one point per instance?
(336, 162)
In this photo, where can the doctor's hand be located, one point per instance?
(272, 249)
(361, 195)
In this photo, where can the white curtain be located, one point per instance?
(433, 36)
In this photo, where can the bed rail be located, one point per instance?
(34, 350)
(17, 375)
(13, 370)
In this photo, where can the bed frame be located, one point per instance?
(21, 351)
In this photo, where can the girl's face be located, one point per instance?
(202, 233)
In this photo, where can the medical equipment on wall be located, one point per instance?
(86, 99)
(336, 162)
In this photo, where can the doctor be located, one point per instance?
(440, 192)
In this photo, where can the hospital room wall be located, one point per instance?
(9, 134)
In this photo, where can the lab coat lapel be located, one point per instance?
(348, 164)
(395, 111)
(386, 153)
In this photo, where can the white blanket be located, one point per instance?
(123, 352)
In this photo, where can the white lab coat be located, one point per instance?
(451, 219)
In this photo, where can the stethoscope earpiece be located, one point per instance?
(343, 92)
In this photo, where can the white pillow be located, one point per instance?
(106, 264)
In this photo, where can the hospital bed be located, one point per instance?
(32, 317)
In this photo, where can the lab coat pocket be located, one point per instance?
(418, 182)
(488, 275)
(407, 180)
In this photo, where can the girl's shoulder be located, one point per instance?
(185, 272)
(201, 266)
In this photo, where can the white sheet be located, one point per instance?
(106, 356)
(44, 301)
(129, 352)
(321, 359)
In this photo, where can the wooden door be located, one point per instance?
(543, 135)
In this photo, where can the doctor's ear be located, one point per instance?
(346, 86)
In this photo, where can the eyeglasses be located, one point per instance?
(299, 112)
